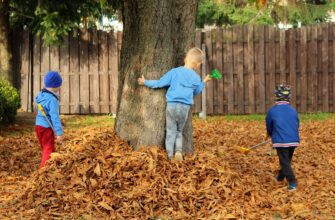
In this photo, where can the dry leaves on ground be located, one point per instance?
(95, 175)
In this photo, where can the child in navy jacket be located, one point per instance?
(282, 124)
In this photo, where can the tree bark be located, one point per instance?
(5, 46)
(155, 38)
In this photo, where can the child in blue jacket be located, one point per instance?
(183, 84)
(48, 98)
(282, 124)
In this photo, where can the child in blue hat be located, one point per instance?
(282, 124)
(49, 126)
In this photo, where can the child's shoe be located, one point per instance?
(178, 156)
(280, 178)
(292, 187)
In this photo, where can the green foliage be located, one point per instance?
(223, 13)
(9, 102)
(230, 13)
(210, 13)
(54, 19)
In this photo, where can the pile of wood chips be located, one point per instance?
(95, 175)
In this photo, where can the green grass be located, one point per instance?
(316, 116)
(74, 122)
(306, 117)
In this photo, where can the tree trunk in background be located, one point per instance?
(5, 48)
(155, 38)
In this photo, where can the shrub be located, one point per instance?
(9, 102)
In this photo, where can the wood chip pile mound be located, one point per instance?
(95, 175)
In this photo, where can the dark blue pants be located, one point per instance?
(285, 155)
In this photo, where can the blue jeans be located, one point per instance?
(176, 116)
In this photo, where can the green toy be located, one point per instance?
(215, 74)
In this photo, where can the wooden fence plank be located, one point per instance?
(272, 67)
(74, 74)
(54, 58)
(319, 88)
(313, 61)
(267, 66)
(197, 100)
(292, 66)
(282, 41)
(229, 83)
(36, 67)
(103, 72)
(209, 65)
(238, 66)
(251, 71)
(84, 85)
(245, 68)
(330, 65)
(113, 70)
(303, 70)
(45, 63)
(214, 66)
(261, 70)
(65, 72)
(25, 73)
(219, 63)
(94, 73)
(325, 85)
(333, 66)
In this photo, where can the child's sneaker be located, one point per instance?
(280, 178)
(178, 156)
(292, 186)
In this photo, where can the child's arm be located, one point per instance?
(54, 116)
(269, 124)
(154, 84)
(202, 85)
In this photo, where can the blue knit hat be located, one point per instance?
(52, 79)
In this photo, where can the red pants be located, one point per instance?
(46, 139)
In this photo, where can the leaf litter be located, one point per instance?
(95, 175)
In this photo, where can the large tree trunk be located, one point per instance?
(155, 39)
(5, 48)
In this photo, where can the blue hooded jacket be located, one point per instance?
(50, 104)
(282, 124)
(183, 84)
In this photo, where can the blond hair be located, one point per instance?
(195, 55)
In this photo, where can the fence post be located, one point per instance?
(203, 113)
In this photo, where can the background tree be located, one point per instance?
(52, 20)
(6, 71)
(227, 12)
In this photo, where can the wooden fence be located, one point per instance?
(252, 59)
(88, 61)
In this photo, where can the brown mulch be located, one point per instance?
(95, 175)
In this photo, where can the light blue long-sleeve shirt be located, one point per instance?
(183, 84)
(50, 104)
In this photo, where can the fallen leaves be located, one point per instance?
(95, 175)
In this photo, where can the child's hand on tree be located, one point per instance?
(207, 78)
(141, 80)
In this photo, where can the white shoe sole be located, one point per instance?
(178, 156)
